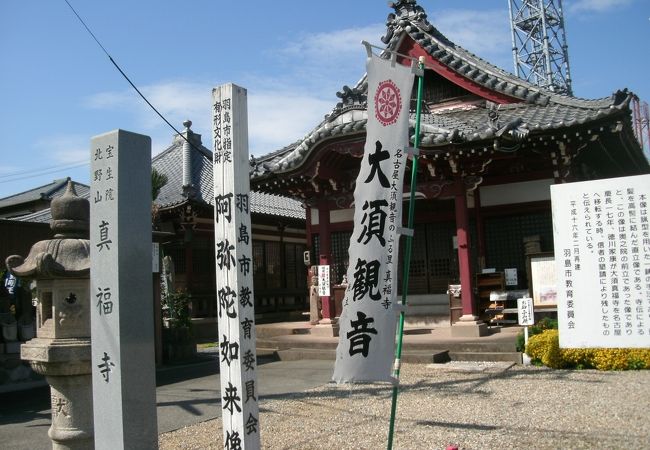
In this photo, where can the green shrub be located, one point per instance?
(544, 324)
(176, 309)
(544, 348)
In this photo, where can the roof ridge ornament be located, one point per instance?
(406, 11)
(189, 190)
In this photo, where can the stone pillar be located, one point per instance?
(61, 350)
(314, 301)
(469, 324)
(123, 355)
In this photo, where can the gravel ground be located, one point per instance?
(469, 405)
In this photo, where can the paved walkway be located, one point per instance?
(186, 395)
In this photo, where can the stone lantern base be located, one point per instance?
(66, 366)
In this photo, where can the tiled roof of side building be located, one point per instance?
(169, 163)
(42, 216)
(46, 192)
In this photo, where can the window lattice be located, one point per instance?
(273, 267)
(340, 245)
(504, 241)
(259, 267)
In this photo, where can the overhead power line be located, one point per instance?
(125, 76)
(42, 169)
(17, 176)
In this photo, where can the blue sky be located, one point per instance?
(58, 89)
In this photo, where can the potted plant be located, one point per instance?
(178, 339)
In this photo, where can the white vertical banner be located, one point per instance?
(234, 269)
(601, 233)
(366, 348)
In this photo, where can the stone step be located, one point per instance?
(282, 329)
(296, 354)
(486, 356)
(453, 346)
(415, 357)
(265, 351)
(283, 344)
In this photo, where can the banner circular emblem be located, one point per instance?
(388, 103)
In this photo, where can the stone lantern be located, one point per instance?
(61, 350)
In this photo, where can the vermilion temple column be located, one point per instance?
(469, 324)
(327, 326)
(325, 257)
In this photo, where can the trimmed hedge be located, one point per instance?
(544, 348)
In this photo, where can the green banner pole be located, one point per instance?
(407, 256)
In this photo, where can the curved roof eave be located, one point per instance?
(410, 20)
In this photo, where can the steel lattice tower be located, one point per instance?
(539, 44)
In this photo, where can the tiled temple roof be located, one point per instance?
(530, 109)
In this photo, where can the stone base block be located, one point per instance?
(469, 329)
(330, 329)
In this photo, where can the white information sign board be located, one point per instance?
(234, 269)
(367, 324)
(511, 277)
(525, 311)
(602, 256)
(323, 281)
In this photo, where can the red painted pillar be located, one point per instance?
(480, 229)
(462, 235)
(324, 229)
(325, 257)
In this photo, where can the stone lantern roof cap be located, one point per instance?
(68, 254)
(70, 214)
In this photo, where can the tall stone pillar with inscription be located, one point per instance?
(124, 372)
(61, 349)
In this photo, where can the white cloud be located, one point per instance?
(484, 33)
(176, 100)
(277, 115)
(597, 6)
(279, 118)
(61, 150)
(321, 48)
(322, 63)
(106, 100)
(289, 99)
